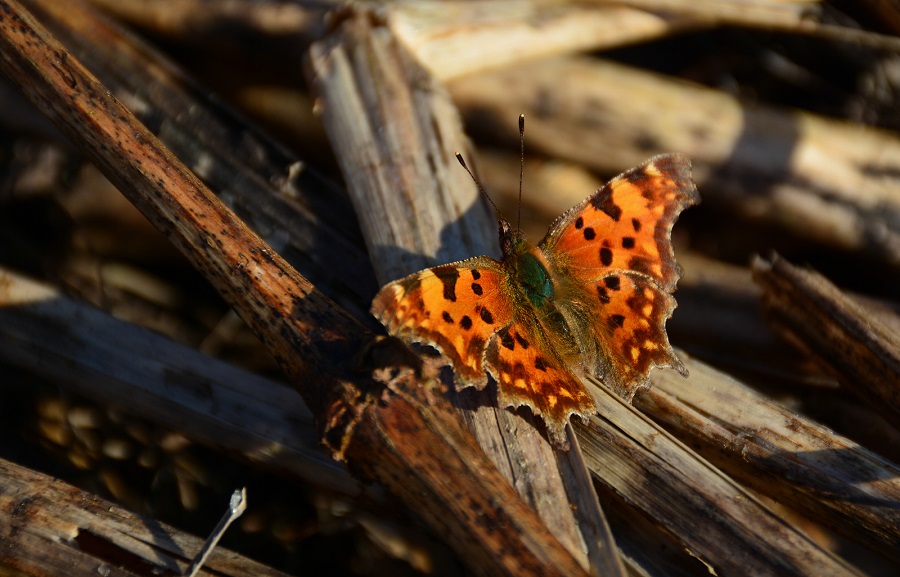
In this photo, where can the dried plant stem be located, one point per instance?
(717, 520)
(93, 354)
(396, 133)
(297, 212)
(797, 16)
(851, 342)
(52, 528)
(453, 39)
(781, 454)
(779, 166)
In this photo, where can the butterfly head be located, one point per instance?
(512, 240)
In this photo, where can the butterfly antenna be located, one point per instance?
(462, 162)
(521, 166)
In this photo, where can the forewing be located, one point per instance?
(627, 224)
(527, 373)
(455, 308)
(614, 254)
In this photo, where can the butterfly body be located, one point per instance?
(591, 298)
(531, 272)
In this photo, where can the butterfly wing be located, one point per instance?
(614, 254)
(529, 373)
(471, 313)
(613, 272)
(456, 308)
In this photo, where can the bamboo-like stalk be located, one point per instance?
(213, 403)
(396, 132)
(819, 178)
(851, 342)
(781, 454)
(56, 529)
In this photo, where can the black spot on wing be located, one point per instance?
(540, 363)
(447, 318)
(522, 342)
(641, 264)
(602, 294)
(604, 203)
(589, 234)
(616, 321)
(627, 242)
(606, 256)
(612, 282)
(475, 274)
(449, 281)
(476, 288)
(486, 316)
(637, 176)
(507, 340)
(465, 323)
(636, 224)
(579, 222)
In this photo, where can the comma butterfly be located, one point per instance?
(592, 297)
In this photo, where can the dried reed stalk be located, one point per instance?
(819, 178)
(781, 454)
(396, 132)
(52, 528)
(712, 516)
(453, 39)
(211, 402)
(850, 341)
(288, 203)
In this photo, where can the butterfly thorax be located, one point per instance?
(535, 280)
(524, 263)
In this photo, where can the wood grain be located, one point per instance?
(720, 523)
(850, 341)
(211, 402)
(396, 133)
(781, 453)
(818, 178)
(52, 528)
(290, 204)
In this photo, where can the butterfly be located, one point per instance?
(592, 297)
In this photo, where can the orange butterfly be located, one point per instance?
(592, 297)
